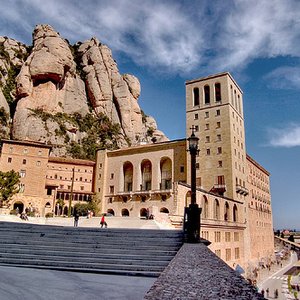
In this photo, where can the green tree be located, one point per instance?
(9, 185)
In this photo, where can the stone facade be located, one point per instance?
(129, 181)
(133, 181)
(45, 179)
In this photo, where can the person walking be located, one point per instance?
(276, 294)
(267, 291)
(76, 218)
(262, 292)
(102, 222)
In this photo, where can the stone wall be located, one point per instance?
(196, 273)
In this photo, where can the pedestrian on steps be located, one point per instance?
(76, 218)
(102, 222)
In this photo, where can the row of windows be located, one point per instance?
(24, 161)
(217, 236)
(206, 114)
(70, 169)
(208, 151)
(25, 151)
(228, 253)
(207, 126)
(66, 178)
(206, 94)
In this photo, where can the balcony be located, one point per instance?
(242, 190)
(219, 189)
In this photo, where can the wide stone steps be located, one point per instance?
(110, 251)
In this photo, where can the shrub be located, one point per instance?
(49, 215)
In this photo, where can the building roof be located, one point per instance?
(257, 164)
(71, 161)
(145, 146)
(26, 143)
(214, 76)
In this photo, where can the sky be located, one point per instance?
(165, 42)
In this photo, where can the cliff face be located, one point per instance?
(72, 97)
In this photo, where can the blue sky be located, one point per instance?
(165, 43)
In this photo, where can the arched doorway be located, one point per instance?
(18, 206)
(143, 212)
(125, 212)
(188, 199)
(164, 210)
(111, 211)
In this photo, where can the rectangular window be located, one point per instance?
(220, 164)
(217, 236)
(110, 200)
(9, 159)
(219, 151)
(236, 236)
(82, 188)
(206, 126)
(112, 176)
(221, 180)
(40, 153)
(21, 187)
(61, 186)
(99, 190)
(196, 116)
(24, 161)
(228, 254)
(218, 112)
(49, 191)
(207, 151)
(218, 253)
(196, 128)
(25, 151)
(198, 181)
(10, 149)
(100, 166)
(218, 137)
(237, 253)
(197, 166)
(227, 236)
(181, 169)
(206, 114)
(111, 189)
(207, 139)
(218, 124)
(22, 173)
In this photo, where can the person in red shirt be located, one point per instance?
(102, 222)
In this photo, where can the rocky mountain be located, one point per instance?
(70, 96)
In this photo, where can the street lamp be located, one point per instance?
(192, 213)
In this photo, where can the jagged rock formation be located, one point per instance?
(60, 88)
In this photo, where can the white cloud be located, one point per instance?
(285, 137)
(173, 36)
(254, 29)
(284, 78)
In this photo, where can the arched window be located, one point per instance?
(218, 91)
(48, 205)
(166, 173)
(226, 212)
(164, 210)
(143, 212)
(196, 96)
(125, 212)
(206, 94)
(188, 198)
(205, 208)
(111, 211)
(128, 176)
(146, 167)
(235, 213)
(217, 210)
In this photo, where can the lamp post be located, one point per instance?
(192, 213)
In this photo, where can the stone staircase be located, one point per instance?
(139, 252)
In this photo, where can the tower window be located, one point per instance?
(196, 117)
(196, 96)
(206, 94)
(208, 151)
(218, 112)
(218, 91)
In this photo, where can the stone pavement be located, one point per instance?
(33, 284)
(113, 222)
